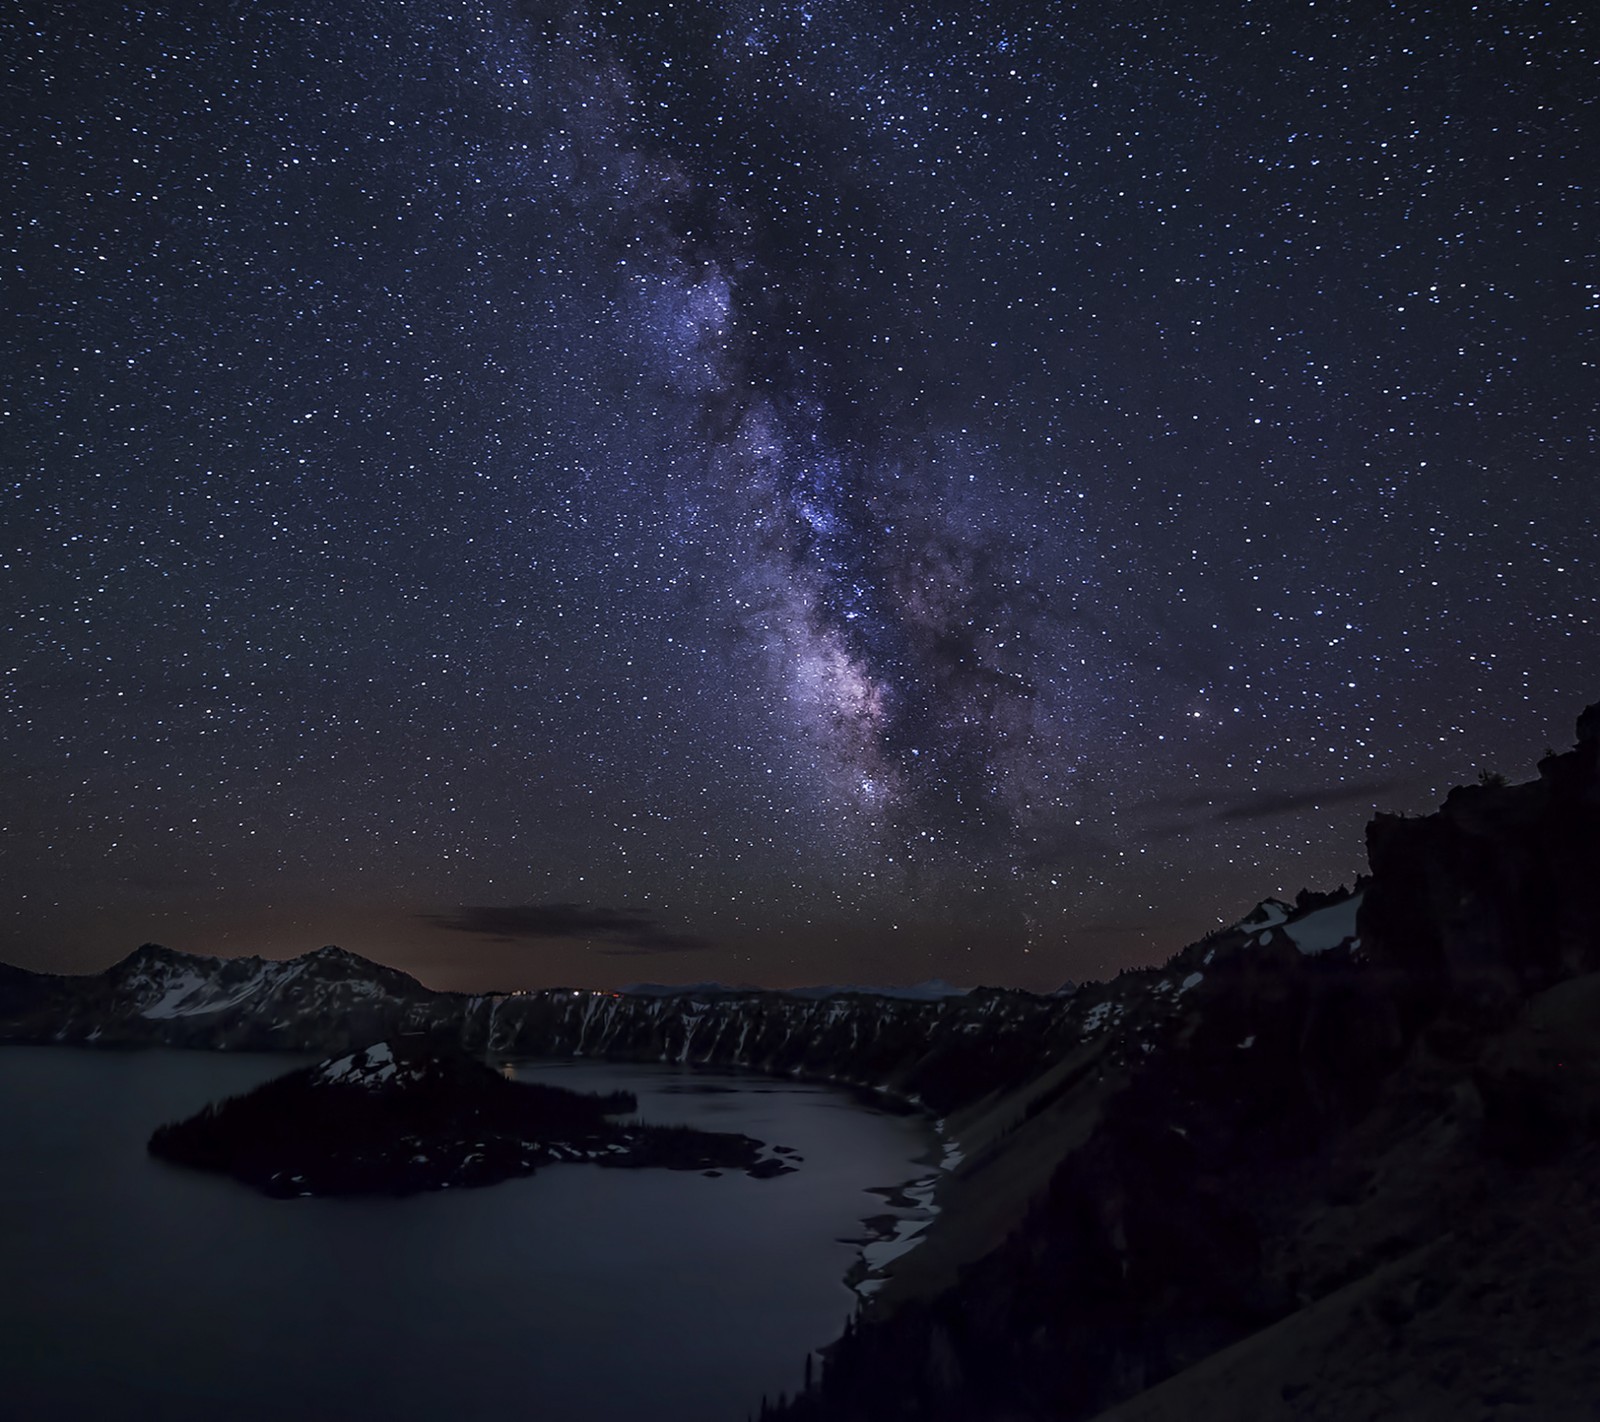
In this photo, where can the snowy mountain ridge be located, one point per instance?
(930, 1044)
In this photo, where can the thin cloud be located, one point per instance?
(1263, 807)
(623, 932)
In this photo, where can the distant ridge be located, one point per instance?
(933, 990)
(685, 989)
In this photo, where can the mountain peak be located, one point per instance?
(148, 954)
(1269, 913)
(333, 953)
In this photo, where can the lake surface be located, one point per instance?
(134, 1289)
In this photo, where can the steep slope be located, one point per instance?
(1346, 1167)
(935, 1053)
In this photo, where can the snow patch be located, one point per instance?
(912, 1225)
(1326, 928)
(187, 993)
(378, 1067)
(1102, 1015)
(907, 1234)
(1269, 913)
(177, 989)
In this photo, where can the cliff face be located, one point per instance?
(1492, 898)
(1353, 1180)
(937, 1054)
(1152, 1241)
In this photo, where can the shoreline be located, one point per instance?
(915, 1211)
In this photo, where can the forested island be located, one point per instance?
(395, 1119)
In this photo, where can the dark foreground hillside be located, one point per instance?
(1330, 1180)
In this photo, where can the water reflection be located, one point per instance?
(129, 1289)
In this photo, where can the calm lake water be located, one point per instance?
(133, 1289)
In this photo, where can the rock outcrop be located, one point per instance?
(1354, 1171)
(1492, 897)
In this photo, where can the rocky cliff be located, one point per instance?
(1354, 1172)
(931, 1052)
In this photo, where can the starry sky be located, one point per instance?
(775, 492)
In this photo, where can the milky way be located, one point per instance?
(843, 491)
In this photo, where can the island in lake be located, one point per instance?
(395, 1119)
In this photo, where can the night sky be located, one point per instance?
(777, 493)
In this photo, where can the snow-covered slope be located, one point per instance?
(326, 1000)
